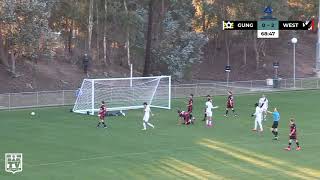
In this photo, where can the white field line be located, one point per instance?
(112, 156)
(146, 152)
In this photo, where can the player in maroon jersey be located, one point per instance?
(102, 114)
(190, 103)
(230, 104)
(185, 117)
(293, 136)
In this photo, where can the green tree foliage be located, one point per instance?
(180, 46)
(179, 30)
(25, 25)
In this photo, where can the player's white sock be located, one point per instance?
(207, 122)
(151, 125)
(144, 125)
(255, 124)
(260, 125)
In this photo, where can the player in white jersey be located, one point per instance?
(146, 116)
(264, 103)
(205, 109)
(209, 108)
(258, 119)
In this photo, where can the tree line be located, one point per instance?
(157, 36)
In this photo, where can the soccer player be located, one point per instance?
(186, 117)
(263, 103)
(258, 119)
(190, 103)
(102, 114)
(146, 116)
(209, 108)
(230, 104)
(205, 109)
(276, 118)
(293, 136)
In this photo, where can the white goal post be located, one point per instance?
(123, 93)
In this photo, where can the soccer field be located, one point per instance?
(59, 145)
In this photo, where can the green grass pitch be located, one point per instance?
(59, 145)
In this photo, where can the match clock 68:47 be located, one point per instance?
(268, 34)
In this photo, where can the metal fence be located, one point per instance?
(67, 97)
(242, 87)
(36, 99)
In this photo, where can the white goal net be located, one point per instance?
(123, 93)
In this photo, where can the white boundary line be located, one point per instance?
(112, 156)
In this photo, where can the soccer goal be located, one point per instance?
(123, 93)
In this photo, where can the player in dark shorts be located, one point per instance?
(293, 136)
(205, 113)
(190, 103)
(276, 119)
(230, 104)
(102, 114)
(185, 117)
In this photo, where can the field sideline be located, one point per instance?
(60, 145)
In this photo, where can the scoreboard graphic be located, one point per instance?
(268, 28)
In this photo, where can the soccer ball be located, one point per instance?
(33, 113)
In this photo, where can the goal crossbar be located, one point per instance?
(133, 78)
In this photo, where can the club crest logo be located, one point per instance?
(13, 162)
(228, 25)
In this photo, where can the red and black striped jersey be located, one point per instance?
(293, 129)
(190, 102)
(103, 109)
(230, 99)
